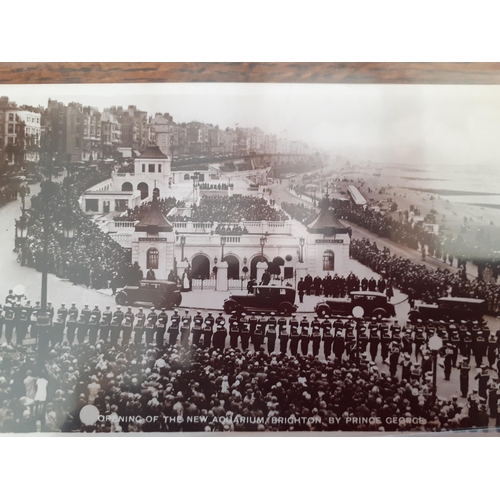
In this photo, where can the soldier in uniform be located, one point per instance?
(127, 326)
(483, 379)
(104, 324)
(208, 330)
(327, 342)
(304, 323)
(281, 323)
(73, 310)
(301, 288)
(97, 313)
(185, 328)
(93, 328)
(86, 312)
(23, 324)
(338, 347)
(374, 342)
(63, 312)
(252, 321)
(150, 328)
(326, 324)
(479, 348)
(220, 337)
(419, 341)
(350, 342)
(304, 340)
(448, 360)
(234, 333)
(316, 340)
(492, 349)
(196, 330)
(220, 320)
(271, 336)
(406, 367)
(244, 334)
(71, 328)
(9, 323)
(258, 337)
(50, 311)
(385, 342)
(467, 345)
(33, 328)
(173, 329)
(455, 343)
(394, 358)
(115, 328)
(293, 322)
(294, 340)
(58, 330)
(140, 324)
(81, 328)
(464, 377)
(416, 372)
(159, 327)
(283, 338)
(315, 322)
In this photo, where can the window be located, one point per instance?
(152, 258)
(151, 168)
(11, 128)
(187, 177)
(143, 167)
(328, 260)
(91, 205)
(159, 168)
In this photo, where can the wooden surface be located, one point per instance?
(441, 73)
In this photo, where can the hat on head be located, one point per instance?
(152, 308)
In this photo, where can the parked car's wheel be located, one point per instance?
(121, 299)
(286, 308)
(178, 300)
(230, 306)
(414, 316)
(380, 311)
(358, 311)
(322, 310)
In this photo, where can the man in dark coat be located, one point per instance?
(283, 338)
(173, 329)
(464, 377)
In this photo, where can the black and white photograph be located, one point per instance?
(249, 258)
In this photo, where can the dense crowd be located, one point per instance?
(254, 373)
(421, 282)
(72, 259)
(300, 212)
(139, 212)
(232, 209)
(222, 186)
(8, 193)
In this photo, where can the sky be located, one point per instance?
(410, 124)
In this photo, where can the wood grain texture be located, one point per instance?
(361, 73)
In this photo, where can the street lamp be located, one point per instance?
(435, 344)
(196, 182)
(263, 241)
(21, 235)
(302, 242)
(223, 241)
(183, 243)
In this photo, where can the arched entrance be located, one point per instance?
(253, 265)
(233, 270)
(127, 186)
(200, 266)
(144, 189)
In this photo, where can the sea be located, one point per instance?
(470, 184)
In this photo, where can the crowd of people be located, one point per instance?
(300, 212)
(72, 259)
(222, 186)
(209, 372)
(339, 286)
(421, 282)
(232, 209)
(139, 212)
(8, 193)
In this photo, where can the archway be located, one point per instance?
(144, 189)
(253, 265)
(127, 186)
(200, 266)
(233, 270)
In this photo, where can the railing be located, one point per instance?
(205, 284)
(238, 284)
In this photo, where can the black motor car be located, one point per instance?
(359, 304)
(157, 292)
(450, 308)
(265, 298)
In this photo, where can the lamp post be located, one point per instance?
(196, 183)
(183, 243)
(435, 344)
(302, 242)
(263, 241)
(223, 241)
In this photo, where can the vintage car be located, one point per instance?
(265, 298)
(157, 292)
(359, 304)
(447, 308)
